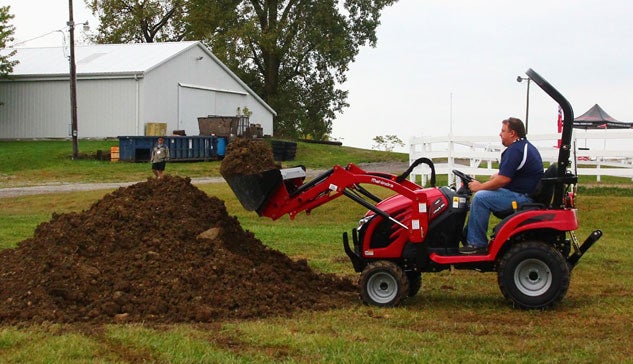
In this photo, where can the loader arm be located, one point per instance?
(291, 196)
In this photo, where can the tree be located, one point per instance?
(6, 36)
(293, 53)
(139, 21)
(387, 143)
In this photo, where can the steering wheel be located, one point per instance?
(466, 179)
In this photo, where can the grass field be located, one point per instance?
(27, 163)
(458, 316)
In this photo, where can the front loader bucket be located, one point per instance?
(254, 190)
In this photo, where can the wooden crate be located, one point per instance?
(155, 129)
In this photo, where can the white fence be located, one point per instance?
(596, 153)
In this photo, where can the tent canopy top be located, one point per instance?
(597, 118)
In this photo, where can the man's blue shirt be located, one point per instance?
(522, 163)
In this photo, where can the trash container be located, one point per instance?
(221, 150)
(181, 148)
(114, 154)
(283, 150)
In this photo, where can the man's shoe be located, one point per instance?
(471, 249)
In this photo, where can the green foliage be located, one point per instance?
(295, 53)
(139, 21)
(6, 37)
(387, 142)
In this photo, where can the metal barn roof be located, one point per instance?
(107, 60)
(98, 59)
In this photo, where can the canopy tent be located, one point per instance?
(597, 118)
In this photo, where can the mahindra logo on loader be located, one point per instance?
(438, 206)
(381, 182)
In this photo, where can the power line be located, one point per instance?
(38, 37)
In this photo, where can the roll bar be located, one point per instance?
(566, 138)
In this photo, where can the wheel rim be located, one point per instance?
(533, 277)
(382, 287)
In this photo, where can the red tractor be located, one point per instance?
(533, 248)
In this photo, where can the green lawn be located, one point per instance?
(27, 163)
(458, 316)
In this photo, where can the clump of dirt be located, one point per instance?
(158, 251)
(247, 156)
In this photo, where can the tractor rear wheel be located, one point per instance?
(383, 283)
(533, 275)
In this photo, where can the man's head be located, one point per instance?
(161, 140)
(511, 130)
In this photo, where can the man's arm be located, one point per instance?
(496, 181)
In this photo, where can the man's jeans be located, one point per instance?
(483, 203)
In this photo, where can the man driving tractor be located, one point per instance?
(520, 170)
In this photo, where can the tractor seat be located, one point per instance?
(541, 197)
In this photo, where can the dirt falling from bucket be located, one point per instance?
(158, 251)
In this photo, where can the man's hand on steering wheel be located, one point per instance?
(466, 179)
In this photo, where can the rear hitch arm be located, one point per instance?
(580, 250)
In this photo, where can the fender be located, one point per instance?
(561, 220)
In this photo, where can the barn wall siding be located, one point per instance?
(35, 109)
(106, 108)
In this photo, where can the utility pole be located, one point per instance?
(73, 81)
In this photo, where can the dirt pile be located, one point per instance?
(158, 251)
(247, 156)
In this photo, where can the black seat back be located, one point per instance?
(542, 195)
(545, 189)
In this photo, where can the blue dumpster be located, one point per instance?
(181, 148)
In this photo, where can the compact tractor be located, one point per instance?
(419, 229)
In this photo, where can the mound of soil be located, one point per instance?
(247, 156)
(158, 251)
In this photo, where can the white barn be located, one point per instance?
(121, 88)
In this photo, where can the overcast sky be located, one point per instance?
(439, 62)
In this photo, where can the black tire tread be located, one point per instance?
(505, 276)
(395, 271)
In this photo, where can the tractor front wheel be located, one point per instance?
(533, 275)
(384, 284)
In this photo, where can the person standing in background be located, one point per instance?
(160, 155)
